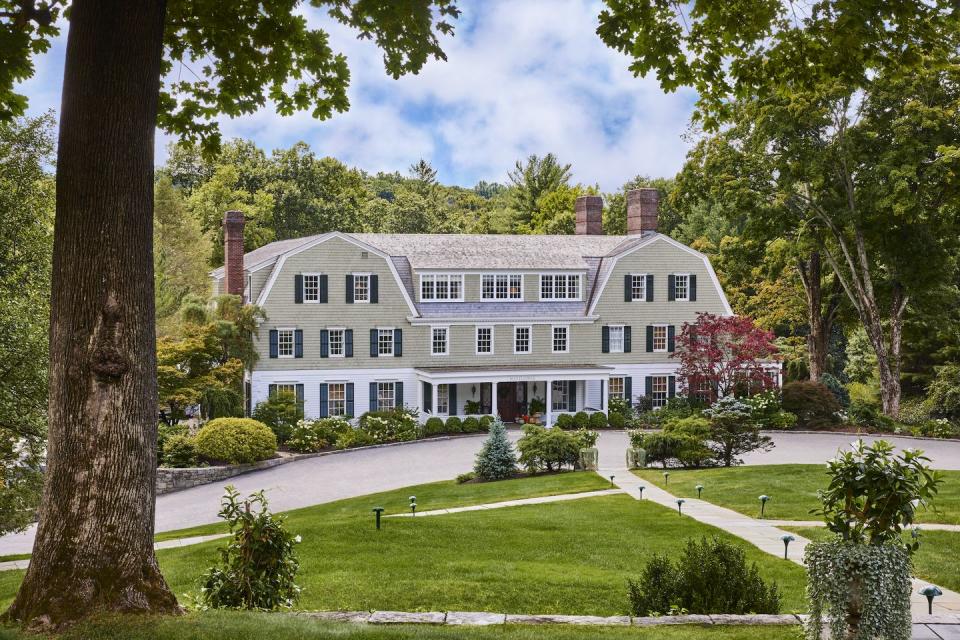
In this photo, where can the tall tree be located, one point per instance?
(94, 543)
(533, 178)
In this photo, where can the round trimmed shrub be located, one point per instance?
(235, 441)
(179, 451)
(471, 425)
(433, 426)
(598, 420)
(581, 420)
(617, 421)
(454, 425)
(565, 421)
(813, 404)
(485, 422)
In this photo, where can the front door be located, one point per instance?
(507, 401)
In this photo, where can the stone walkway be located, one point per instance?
(510, 503)
(926, 526)
(761, 533)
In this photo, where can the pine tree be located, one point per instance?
(497, 459)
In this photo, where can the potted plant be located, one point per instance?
(471, 407)
(636, 454)
(588, 454)
(859, 583)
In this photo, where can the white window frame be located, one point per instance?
(633, 287)
(686, 293)
(622, 392)
(529, 329)
(356, 282)
(343, 342)
(557, 393)
(443, 391)
(507, 282)
(446, 340)
(656, 400)
(381, 332)
(553, 338)
(293, 341)
(341, 402)
(623, 337)
(552, 294)
(286, 387)
(434, 279)
(383, 387)
(303, 289)
(666, 338)
(476, 342)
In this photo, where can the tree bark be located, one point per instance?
(819, 320)
(94, 545)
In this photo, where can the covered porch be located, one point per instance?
(511, 392)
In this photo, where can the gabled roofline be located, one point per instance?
(679, 245)
(262, 298)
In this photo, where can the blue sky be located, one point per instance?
(522, 77)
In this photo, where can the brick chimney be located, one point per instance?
(233, 222)
(589, 215)
(642, 206)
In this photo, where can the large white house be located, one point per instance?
(359, 321)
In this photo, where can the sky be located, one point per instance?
(521, 77)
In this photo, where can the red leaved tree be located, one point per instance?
(721, 354)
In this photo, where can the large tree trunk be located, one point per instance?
(94, 546)
(819, 319)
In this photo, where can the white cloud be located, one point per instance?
(520, 78)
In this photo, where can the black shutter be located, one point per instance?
(693, 287)
(452, 399)
(649, 287)
(572, 396)
(671, 287)
(324, 289)
(274, 349)
(271, 390)
(298, 289)
(374, 289)
(299, 389)
(427, 397)
(397, 343)
(628, 288)
(628, 390)
(671, 338)
(374, 352)
(348, 343)
(627, 339)
(324, 403)
(605, 339)
(350, 399)
(349, 288)
(671, 386)
(373, 396)
(648, 387)
(298, 343)
(398, 394)
(649, 338)
(324, 343)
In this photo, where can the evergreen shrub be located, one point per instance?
(496, 459)
(598, 420)
(454, 425)
(433, 426)
(235, 441)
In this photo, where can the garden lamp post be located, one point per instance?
(699, 488)
(763, 503)
(666, 477)
(787, 539)
(378, 511)
(611, 480)
(680, 502)
(641, 488)
(413, 505)
(931, 591)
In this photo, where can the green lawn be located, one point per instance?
(256, 626)
(935, 560)
(792, 489)
(564, 557)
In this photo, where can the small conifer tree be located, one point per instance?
(497, 459)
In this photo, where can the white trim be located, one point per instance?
(303, 287)
(553, 340)
(446, 341)
(507, 275)
(449, 275)
(353, 278)
(655, 238)
(493, 340)
(499, 375)
(343, 344)
(666, 339)
(623, 337)
(644, 277)
(454, 321)
(393, 341)
(675, 298)
(581, 283)
(529, 329)
(293, 342)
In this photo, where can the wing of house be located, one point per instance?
(481, 323)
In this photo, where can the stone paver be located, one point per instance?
(407, 617)
(928, 526)
(576, 620)
(475, 618)
(509, 503)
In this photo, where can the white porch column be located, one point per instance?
(549, 402)
(420, 397)
(493, 399)
(604, 390)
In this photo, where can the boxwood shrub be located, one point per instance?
(581, 420)
(485, 422)
(565, 421)
(235, 441)
(471, 425)
(598, 420)
(454, 425)
(617, 421)
(433, 426)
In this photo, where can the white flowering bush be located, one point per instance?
(395, 425)
(309, 436)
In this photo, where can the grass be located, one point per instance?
(935, 560)
(564, 557)
(255, 626)
(792, 489)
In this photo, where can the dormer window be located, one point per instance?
(560, 286)
(441, 287)
(501, 286)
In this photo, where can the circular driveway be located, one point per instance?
(356, 473)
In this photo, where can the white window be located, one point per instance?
(385, 342)
(337, 399)
(443, 399)
(522, 340)
(311, 287)
(285, 343)
(441, 287)
(660, 337)
(501, 286)
(658, 387)
(560, 286)
(386, 396)
(336, 342)
(558, 395)
(681, 287)
(361, 287)
(617, 388)
(248, 289)
(616, 338)
(439, 343)
(638, 287)
(484, 339)
(561, 339)
(286, 387)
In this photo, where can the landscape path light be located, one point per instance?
(641, 488)
(699, 488)
(378, 511)
(931, 591)
(413, 505)
(611, 480)
(680, 502)
(763, 503)
(666, 477)
(787, 539)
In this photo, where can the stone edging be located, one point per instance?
(171, 479)
(861, 433)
